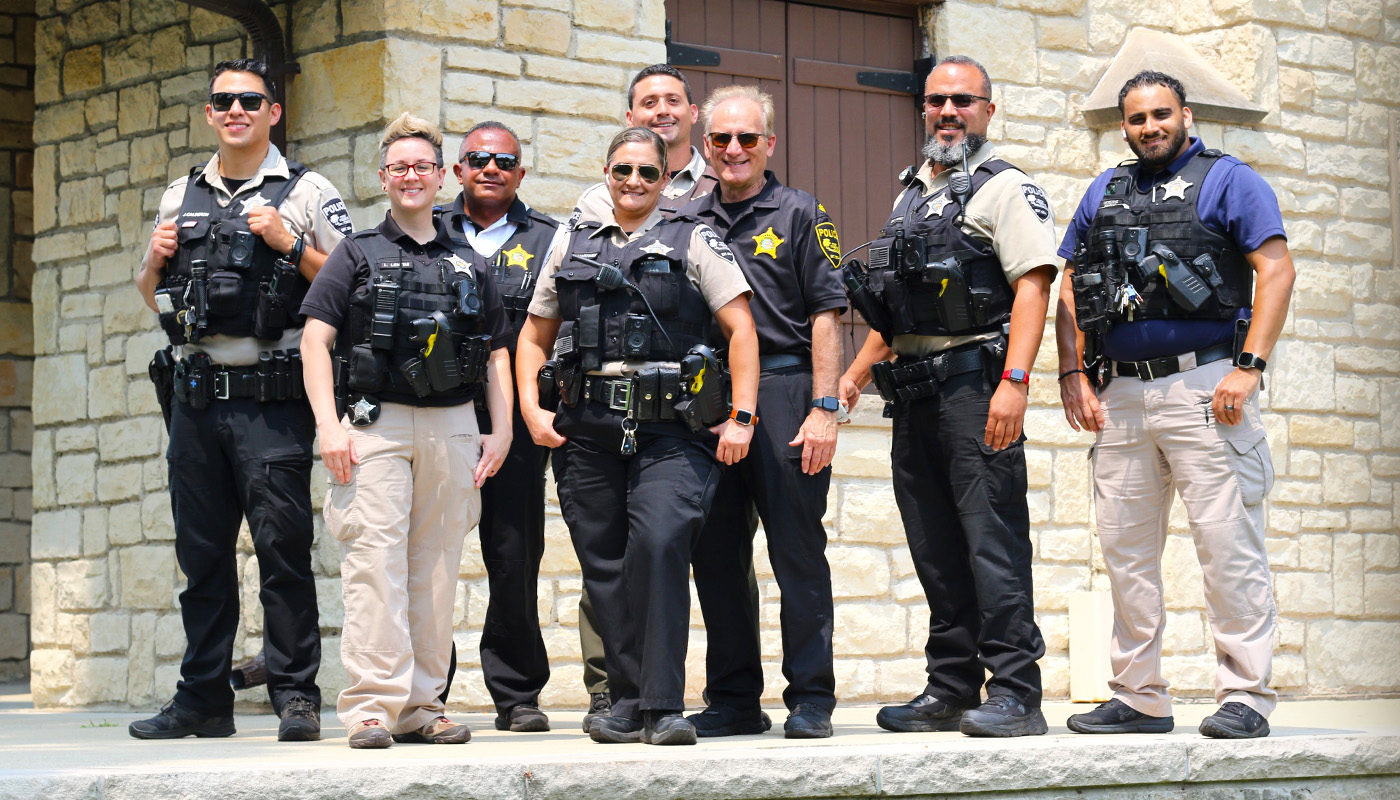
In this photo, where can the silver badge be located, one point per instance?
(253, 202)
(364, 412)
(936, 205)
(1176, 187)
(657, 248)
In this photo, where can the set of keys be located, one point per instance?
(1128, 299)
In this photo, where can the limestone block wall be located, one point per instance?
(119, 87)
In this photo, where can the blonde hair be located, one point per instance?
(407, 126)
(762, 99)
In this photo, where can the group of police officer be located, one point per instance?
(1177, 280)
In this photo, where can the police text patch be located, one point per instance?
(829, 241)
(716, 244)
(336, 214)
(1036, 199)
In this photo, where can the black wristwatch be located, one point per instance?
(1250, 361)
(827, 403)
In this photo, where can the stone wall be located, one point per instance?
(119, 87)
(16, 330)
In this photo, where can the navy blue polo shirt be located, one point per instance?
(1235, 200)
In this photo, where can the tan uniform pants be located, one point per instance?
(1160, 437)
(400, 522)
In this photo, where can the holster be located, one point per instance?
(862, 298)
(474, 354)
(704, 389)
(548, 383)
(194, 381)
(162, 372)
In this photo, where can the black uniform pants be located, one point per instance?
(513, 657)
(965, 516)
(769, 484)
(634, 522)
(240, 458)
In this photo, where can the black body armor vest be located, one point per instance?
(1141, 221)
(612, 324)
(517, 264)
(391, 341)
(930, 277)
(241, 287)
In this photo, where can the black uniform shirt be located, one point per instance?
(788, 248)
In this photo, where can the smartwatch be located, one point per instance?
(1250, 361)
(827, 403)
(743, 417)
(1017, 375)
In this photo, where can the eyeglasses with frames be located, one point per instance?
(250, 101)
(748, 141)
(399, 169)
(959, 100)
(621, 172)
(478, 159)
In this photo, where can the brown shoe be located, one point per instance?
(369, 734)
(440, 731)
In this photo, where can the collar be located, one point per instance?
(611, 224)
(390, 230)
(1160, 176)
(519, 213)
(273, 166)
(767, 197)
(932, 184)
(693, 168)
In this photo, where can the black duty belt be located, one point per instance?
(778, 361)
(914, 379)
(276, 377)
(1162, 367)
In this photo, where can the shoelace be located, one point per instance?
(299, 707)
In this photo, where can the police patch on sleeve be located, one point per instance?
(716, 244)
(573, 220)
(827, 238)
(337, 215)
(1036, 199)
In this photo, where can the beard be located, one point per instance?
(1164, 155)
(951, 155)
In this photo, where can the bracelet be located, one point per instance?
(1064, 375)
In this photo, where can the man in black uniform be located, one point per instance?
(958, 289)
(788, 249)
(235, 247)
(510, 241)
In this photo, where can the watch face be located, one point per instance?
(826, 403)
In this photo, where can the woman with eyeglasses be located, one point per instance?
(417, 336)
(626, 305)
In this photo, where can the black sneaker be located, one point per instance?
(176, 722)
(1003, 715)
(1116, 716)
(301, 721)
(1235, 721)
(599, 705)
(808, 721)
(723, 720)
(526, 717)
(607, 729)
(661, 727)
(923, 714)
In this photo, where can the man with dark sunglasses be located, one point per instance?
(235, 247)
(957, 291)
(788, 249)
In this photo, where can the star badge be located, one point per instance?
(767, 243)
(672, 191)
(253, 202)
(517, 257)
(936, 205)
(1176, 187)
(657, 248)
(363, 412)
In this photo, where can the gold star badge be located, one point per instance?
(767, 243)
(517, 257)
(1176, 187)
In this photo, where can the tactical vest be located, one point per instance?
(601, 324)
(1175, 222)
(383, 346)
(240, 272)
(516, 265)
(931, 277)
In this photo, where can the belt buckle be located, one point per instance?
(1145, 367)
(222, 388)
(616, 388)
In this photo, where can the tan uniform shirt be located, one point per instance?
(1002, 213)
(312, 210)
(691, 183)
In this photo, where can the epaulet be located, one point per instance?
(295, 168)
(364, 233)
(679, 217)
(586, 223)
(996, 166)
(543, 219)
(907, 175)
(1212, 153)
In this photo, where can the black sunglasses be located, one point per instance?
(250, 101)
(959, 100)
(748, 141)
(621, 172)
(478, 159)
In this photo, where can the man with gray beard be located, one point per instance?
(956, 294)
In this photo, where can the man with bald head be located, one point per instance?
(788, 248)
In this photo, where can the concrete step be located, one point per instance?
(1319, 749)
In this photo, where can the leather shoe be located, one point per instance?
(1235, 721)
(723, 720)
(1116, 716)
(369, 734)
(923, 714)
(808, 721)
(1003, 715)
(301, 721)
(660, 727)
(176, 722)
(440, 731)
(615, 730)
(526, 717)
(599, 705)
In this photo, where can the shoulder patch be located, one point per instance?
(336, 214)
(1036, 199)
(716, 244)
(573, 219)
(827, 238)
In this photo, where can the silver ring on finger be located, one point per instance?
(1229, 408)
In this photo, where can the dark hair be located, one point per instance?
(252, 65)
(638, 136)
(968, 61)
(1151, 78)
(659, 69)
(488, 125)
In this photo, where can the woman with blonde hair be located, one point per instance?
(402, 337)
